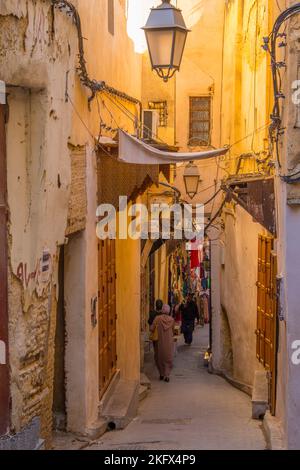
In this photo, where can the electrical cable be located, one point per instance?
(118, 127)
(270, 45)
(255, 76)
(235, 143)
(289, 180)
(100, 86)
(249, 135)
(206, 189)
(212, 198)
(94, 85)
(216, 182)
(124, 110)
(278, 6)
(86, 127)
(218, 213)
(133, 118)
(111, 115)
(140, 126)
(167, 185)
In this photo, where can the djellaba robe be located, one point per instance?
(164, 349)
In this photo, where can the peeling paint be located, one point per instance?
(38, 59)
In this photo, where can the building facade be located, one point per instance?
(226, 77)
(67, 335)
(74, 308)
(254, 324)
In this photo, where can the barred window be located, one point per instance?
(200, 121)
(162, 108)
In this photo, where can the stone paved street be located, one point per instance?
(195, 411)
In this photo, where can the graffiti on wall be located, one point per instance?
(41, 273)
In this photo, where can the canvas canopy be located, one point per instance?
(133, 150)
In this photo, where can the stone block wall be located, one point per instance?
(32, 339)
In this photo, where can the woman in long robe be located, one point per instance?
(164, 351)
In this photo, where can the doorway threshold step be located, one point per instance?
(122, 405)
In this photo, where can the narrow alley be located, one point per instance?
(195, 411)
(149, 191)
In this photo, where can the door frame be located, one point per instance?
(107, 313)
(4, 368)
(267, 310)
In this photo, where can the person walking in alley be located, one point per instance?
(189, 313)
(154, 334)
(158, 308)
(164, 326)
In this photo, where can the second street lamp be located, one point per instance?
(166, 35)
(191, 180)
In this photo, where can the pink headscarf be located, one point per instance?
(166, 310)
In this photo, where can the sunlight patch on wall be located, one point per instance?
(192, 11)
(138, 11)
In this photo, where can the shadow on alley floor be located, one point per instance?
(195, 411)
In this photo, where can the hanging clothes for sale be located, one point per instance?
(185, 289)
(202, 272)
(195, 261)
(204, 306)
(204, 283)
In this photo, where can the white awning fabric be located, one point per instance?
(133, 150)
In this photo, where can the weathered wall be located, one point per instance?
(224, 58)
(288, 394)
(243, 84)
(128, 308)
(35, 58)
(201, 69)
(75, 363)
(248, 96)
(116, 63)
(245, 110)
(238, 296)
(200, 75)
(155, 89)
(246, 82)
(49, 123)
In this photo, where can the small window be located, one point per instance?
(111, 16)
(162, 108)
(200, 121)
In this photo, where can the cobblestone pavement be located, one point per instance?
(195, 411)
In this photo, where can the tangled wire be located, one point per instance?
(270, 45)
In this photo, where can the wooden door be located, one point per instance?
(4, 367)
(266, 347)
(107, 313)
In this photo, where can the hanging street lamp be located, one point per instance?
(166, 35)
(191, 180)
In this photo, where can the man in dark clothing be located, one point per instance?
(158, 308)
(189, 313)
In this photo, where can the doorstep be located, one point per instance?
(122, 405)
(273, 433)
